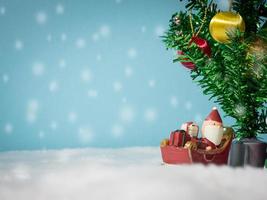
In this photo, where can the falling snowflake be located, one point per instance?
(49, 37)
(53, 86)
(118, 1)
(85, 134)
(38, 69)
(124, 100)
(32, 110)
(63, 37)
(19, 45)
(151, 83)
(72, 117)
(8, 128)
(41, 134)
(86, 75)
(117, 130)
(188, 105)
(5, 78)
(117, 86)
(41, 17)
(62, 63)
(128, 71)
(104, 31)
(80, 43)
(31, 117)
(2, 10)
(53, 125)
(127, 114)
(174, 102)
(92, 93)
(150, 115)
(143, 29)
(95, 37)
(98, 57)
(60, 9)
(159, 30)
(132, 53)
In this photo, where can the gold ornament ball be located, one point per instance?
(223, 23)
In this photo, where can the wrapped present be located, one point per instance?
(178, 138)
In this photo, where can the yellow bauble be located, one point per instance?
(223, 23)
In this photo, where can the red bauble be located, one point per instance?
(202, 45)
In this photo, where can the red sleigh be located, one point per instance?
(191, 154)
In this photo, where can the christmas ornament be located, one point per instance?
(202, 45)
(212, 128)
(224, 23)
(191, 129)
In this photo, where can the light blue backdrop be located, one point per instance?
(91, 73)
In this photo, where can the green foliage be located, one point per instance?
(235, 76)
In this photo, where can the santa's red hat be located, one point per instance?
(214, 116)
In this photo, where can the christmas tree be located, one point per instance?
(226, 54)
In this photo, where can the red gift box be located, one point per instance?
(178, 138)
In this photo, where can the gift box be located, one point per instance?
(178, 138)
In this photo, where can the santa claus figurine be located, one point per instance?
(212, 130)
(190, 128)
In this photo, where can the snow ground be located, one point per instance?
(126, 174)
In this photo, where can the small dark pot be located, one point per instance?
(247, 152)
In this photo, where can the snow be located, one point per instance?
(86, 75)
(41, 17)
(53, 86)
(72, 117)
(8, 128)
(32, 110)
(60, 9)
(104, 31)
(127, 114)
(53, 125)
(174, 102)
(19, 45)
(159, 30)
(117, 130)
(92, 93)
(2, 10)
(117, 86)
(85, 134)
(5, 78)
(38, 69)
(188, 105)
(150, 114)
(132, 53)
(80, 43)
(151, 83)
(119, 174)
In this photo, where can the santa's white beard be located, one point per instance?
(214, 133)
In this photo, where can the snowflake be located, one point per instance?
(41, 134)
(85, 134)
(72, 117)
(63, 37)
(95, 37)
(41, 17)
(132, 53)
(38, 69)
(104, 31)
(32, 110)
(86, 75)
(128, 71)
(92, 93)
(117, 130)
(188, 105)
(124, 100)
(49, 37)
(174, 102)
(151, 83)
(127, 114)
(5, 78)
(62, 63)
(19, 44)
(150, 115)
(2, 10)
(8, 128)
(143, 29)
(59, 9)
(159, 30)
(117, 86)
(53, 125)
(53, 86)
(80, 43)
(98, 57)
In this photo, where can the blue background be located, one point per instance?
(91, 73)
